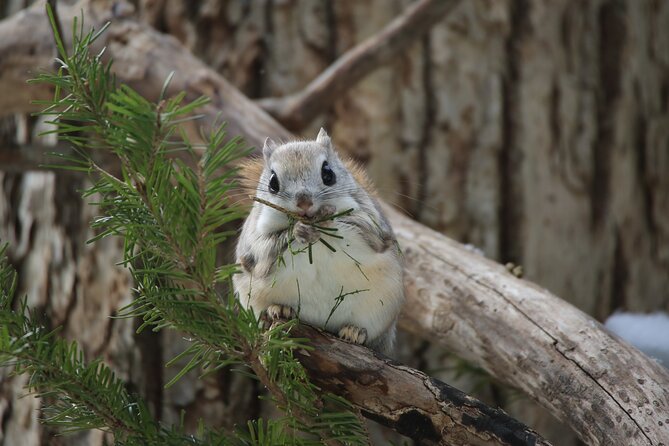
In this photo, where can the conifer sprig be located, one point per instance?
(169, 204)
(81, 395)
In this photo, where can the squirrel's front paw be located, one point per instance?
(325, 211)
(305, 233)
(351, 333)
(274, 313)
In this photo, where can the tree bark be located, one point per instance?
(62, 277)
(520, 333)
(531, 339)
(297, 110)
(407, 400)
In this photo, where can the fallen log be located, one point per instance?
(608, 392)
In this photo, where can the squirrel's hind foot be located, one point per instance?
(351, 333)
(276, 312)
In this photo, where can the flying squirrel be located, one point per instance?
(317, 246)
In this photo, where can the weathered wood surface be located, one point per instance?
(521, 334)
(407, 400)
(599, 385)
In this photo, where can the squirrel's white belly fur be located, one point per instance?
(371, 288)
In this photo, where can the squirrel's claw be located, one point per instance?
(274, 313)
(278, 311)
(351, 333)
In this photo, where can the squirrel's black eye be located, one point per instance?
(328, 175)
(274, 183)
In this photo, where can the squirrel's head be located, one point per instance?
(304, 176)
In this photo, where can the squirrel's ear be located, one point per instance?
(267, 149)
(323, 139)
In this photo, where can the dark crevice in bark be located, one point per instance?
(497, 394)
(421, 353)
(192, 10)
(510, 197)
(262, 63)
(428, 124)
(554, 117)
(8, 132)
(256, 84)
(565, 39)
(664, 94)
(151, 353)
(161, 23)
(246, 10)
(224, 381)
(645, 178)
(268, 19)
(106, 340)
(7, 414)
(331, 53)
(331, 25)
(237, 405)
(619, 276)
(68, 190)
(612, 36)
(12, 187)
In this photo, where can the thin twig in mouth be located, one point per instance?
(294, 215)
(304, 219)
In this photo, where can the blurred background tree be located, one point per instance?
(537, 131)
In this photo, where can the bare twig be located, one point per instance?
(276, 207)
(297, 110)
(309, 220)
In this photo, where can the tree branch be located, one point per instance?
(529, 338)
(297, 110)
(427, 410)
(513, 329)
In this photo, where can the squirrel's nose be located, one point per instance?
(304, 201)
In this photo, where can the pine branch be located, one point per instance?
(79, 396)
(170, 216)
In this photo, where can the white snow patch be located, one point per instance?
(647, 332)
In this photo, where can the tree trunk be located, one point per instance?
(546, 124)
(75, 284)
